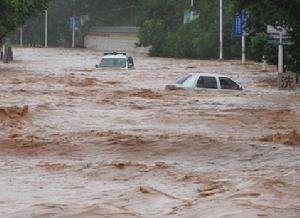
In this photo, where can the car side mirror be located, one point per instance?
(130, 65)
(130, 62)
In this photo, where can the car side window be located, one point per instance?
(207, 82)
(227, 83)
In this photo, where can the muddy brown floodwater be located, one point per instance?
(81, 142)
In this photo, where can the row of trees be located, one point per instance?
(94, 13)
(284, 13)
(15, 12)
(162, 26)
(163, 29)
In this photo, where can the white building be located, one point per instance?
(112, 38)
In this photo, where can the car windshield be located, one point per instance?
(113, 62)
(183, 79)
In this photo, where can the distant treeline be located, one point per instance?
(89, 13)
(162, 29)
(15, 12)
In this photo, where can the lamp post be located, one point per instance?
(73, 32)
(46, 28)
(221, 30)
(73, 25)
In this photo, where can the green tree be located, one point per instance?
(163, 29)
(284, 13)
(14, 13)
(100, 13)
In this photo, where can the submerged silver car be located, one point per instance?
(116, 60)
(205, 81)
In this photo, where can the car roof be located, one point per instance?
(208, 74)
(115, 56)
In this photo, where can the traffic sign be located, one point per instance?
(74, 23)
(190, 16)
(277, 42)
(239, 24)
(277, 32)
(71, 23)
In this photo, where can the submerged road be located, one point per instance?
(83, 142)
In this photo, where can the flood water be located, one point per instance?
(83, 142)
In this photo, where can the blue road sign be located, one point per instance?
(74, 23)
(239, 24)
(71, 23)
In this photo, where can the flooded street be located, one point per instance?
(83, 142)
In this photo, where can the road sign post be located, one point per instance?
(280, 55)
(279, 36)
(21, 36)
(243, 49)
(74, 25)
(239, 31)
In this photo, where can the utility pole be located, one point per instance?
(73, 19)
(46, 28)
(221, 30)
(280, 55)
(21, 36)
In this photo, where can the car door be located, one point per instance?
(228, 84)
(207, 82)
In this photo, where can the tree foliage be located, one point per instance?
(168, 36)
(163, 30)
(13, 13)
(284, 13)
(100, 13)
(161, 23)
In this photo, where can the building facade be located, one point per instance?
(112, 38)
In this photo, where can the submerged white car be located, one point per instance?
(205, 81)
(116, 60)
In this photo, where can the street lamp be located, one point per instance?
(221, 30)
(46, 28)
